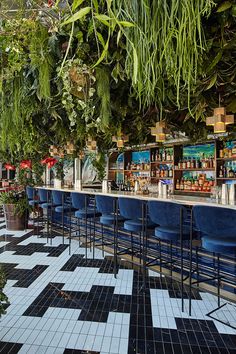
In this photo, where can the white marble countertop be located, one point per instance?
(184, 200)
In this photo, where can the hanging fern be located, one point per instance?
(41, 60)
(103, 92)
(164, 48)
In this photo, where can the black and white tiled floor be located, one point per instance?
(63, 304)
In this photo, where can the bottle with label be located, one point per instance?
(182, 184)
(221, 173)
(180, 164)
(184, 164)
(177, 185)
(188, 165)
(164, 155)
(170, 172)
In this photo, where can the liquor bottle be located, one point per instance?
(184, 164)
(221, 173)
(177, 186)
(192, 163)
(180, 164)
(156, 156)
(188, 164)
(168, 156)
(182, 184)
(231, 172)
(170, 172)
(164, 155)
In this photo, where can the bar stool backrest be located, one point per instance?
(43, 195)
(217, 221)
(78, 200)
(131, 208)
(57, 197)
(30, 192)
(166, 213)
(105, 204)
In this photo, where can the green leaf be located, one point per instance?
(212, 81)
(224, 6)
(76, 3)
(126, 24)
(103, 55)
(135, 71)
(102, 17)
(78, 15)
(118, 37)
(101, 39)
(95, 4)
(215, 61)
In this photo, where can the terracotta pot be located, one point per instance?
(14, 222)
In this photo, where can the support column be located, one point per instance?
(78, 173)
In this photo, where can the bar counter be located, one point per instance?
(184, 200)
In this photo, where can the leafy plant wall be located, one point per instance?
(89, 68)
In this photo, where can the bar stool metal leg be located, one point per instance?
(190, 265)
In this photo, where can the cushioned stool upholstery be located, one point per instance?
(218, 228)
(167, 216)
(90, 213)
(171, 234)
(30, 192)
(106, 205)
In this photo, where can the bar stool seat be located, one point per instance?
(89, 213)
(34, 202)
(171, 234)
(225, 244)
(46, 205)
(64, 208)
(137, 225)
(108, 219)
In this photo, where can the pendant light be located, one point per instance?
(220, 119)
(91, 144)
(159, 131)
(120, 140)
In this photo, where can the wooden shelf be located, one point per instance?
(226, 158)
(116, 169)
(162, 177)
(190, 191)
(231, 178)
(162, 162)
(137, 170)
(194, 169)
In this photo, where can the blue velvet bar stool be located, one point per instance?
(137, 222)
(218, 235)
(33, 201)
(30, 193)
(85, 211)
(60, 204)
(169, 217)
(108, 207)
(45, 204)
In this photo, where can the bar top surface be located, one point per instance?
(186, 200)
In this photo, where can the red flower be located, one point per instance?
(49, 161)
(26, 164)
(8, 166)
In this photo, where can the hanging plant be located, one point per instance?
(77, 89)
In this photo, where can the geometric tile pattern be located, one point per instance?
(65, 304)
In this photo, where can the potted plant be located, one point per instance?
(16, 209)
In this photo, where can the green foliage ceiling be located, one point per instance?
(92, 68)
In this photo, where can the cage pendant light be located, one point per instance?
(220, 119)
(120, 140)
(159, 131)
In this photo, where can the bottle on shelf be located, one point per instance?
(177, 186)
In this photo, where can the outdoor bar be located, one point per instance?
(117, 177)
